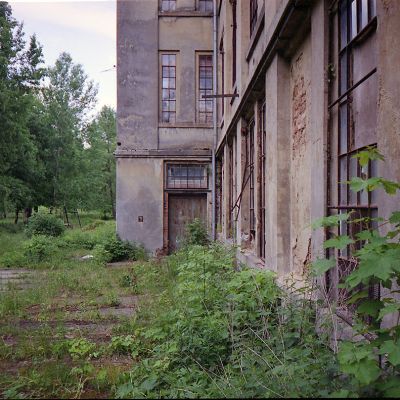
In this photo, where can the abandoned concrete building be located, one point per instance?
(294, 88)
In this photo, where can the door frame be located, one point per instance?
(167, 193)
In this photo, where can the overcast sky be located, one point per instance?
(85, 29)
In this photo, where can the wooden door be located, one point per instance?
(183, 209)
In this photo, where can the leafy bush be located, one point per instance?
(13, 259)
(374, 363)
(113, 249)
(218, 332)
(196, 233)
(39, 248)
(45, 224)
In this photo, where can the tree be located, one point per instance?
(101, 140)
(68, 98)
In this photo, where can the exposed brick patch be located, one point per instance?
(299, 114)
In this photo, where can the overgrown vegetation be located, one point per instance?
(374, 362)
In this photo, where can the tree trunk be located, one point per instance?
(27, 214)
(16, 216)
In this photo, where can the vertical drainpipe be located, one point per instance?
(215, 65)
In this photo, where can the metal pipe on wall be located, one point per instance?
(215, 90)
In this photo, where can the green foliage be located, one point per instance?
(196, 233)
(378, 258)
(40, 248)
(220, 331)
(124, 345)
(112, 249)
(81, 349)
(45, 224)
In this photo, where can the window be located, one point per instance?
(355, 110)
(230, 190)
(262, 138)
(205, 87)
(168, 5)
(252, 215)
(222, 55)
(187, 176)
(168, 88)
(253, 15)
(234, 33)
(205, 5)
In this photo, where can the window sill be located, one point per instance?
(185, 13)
(184, 125)
(256, 34)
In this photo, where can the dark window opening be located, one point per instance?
(187, 176)
(168, 88)
(262, 165)
(253, 15)
(252, 215)
(230, 191)
(205, 110)
(222, 53)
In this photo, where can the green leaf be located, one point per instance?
(395, 218)
(320, 266)
(339, 242)
(332, 220)
(390, 187)
(371, 153)
(370, 307)
(391, 388)
(388, 309)
(358, 296)
(357, 184)
(392, 350)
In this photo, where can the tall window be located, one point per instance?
(168, 5)
(205, 85)
(253, 15)
(234, 33)
(262, 186)
(252, 215)
(356, 123)
(205, 5)
(222, 54)
(230, 190)
(168, 88)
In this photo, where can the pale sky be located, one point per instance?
(85, 29)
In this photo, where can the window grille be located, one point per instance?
(187, 176)
(262, 163)
(354, 17)
(234, 34)
(205, 106)
(168, 88)
(252, 216)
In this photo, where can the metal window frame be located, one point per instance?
(253, 15)
(168, 89)
(170, 5)
(262, 139)
(204, 117)
(187, 165)
(251, 158)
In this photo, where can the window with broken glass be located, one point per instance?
(205, 87)
(168, 88)
(355, 110)
(187, 176)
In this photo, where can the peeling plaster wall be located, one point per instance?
(300, 150)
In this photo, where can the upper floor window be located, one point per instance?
(205, 87)
(253, 15)
(205, 5)
(168, 5)
(168, 88)
(234, 33)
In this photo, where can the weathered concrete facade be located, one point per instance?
(307, 84)
(147, 145)
(313, 91)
